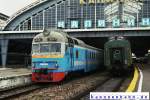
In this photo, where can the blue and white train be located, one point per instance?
(55, 54)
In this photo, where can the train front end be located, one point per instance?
(118, 56)
(47, 59)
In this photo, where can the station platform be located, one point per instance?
(14, 77)
(146, 77)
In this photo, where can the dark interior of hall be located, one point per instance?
(19, 52)
(139, 45)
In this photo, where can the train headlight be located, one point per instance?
(33, 65)
(56, 65)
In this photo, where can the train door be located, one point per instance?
(86, 59)
(71, 46)
(116, 55)
(72, 57)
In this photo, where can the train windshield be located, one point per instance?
(46, 48)
(51, 47)
(35, 48)
(55, 47)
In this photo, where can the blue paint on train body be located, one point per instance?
(75, 59)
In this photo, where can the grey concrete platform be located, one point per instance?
(146, 77)
(10, 78)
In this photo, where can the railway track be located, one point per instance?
(72, 89)
(67, 90)
(111, 85)
(6, 94)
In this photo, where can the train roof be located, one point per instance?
(51, 35)
(117, 43)
(59, 36)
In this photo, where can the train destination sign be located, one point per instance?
(106, 1)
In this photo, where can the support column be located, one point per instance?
(56, 16)
(43, 19)
(4, 48)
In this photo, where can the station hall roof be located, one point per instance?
(24, 10)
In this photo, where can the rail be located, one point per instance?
(6, 94)
(68, 89)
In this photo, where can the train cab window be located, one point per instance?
(77, 54)
(50, 48)
(55, 47)
(44, 48)
(76, 42)
(35, 48)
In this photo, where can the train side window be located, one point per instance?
(89, 55)
(93, 55)
(70, 42)
(77, 54)
(76, 42)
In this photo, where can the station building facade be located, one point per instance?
(81, 14)
(3, 19)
